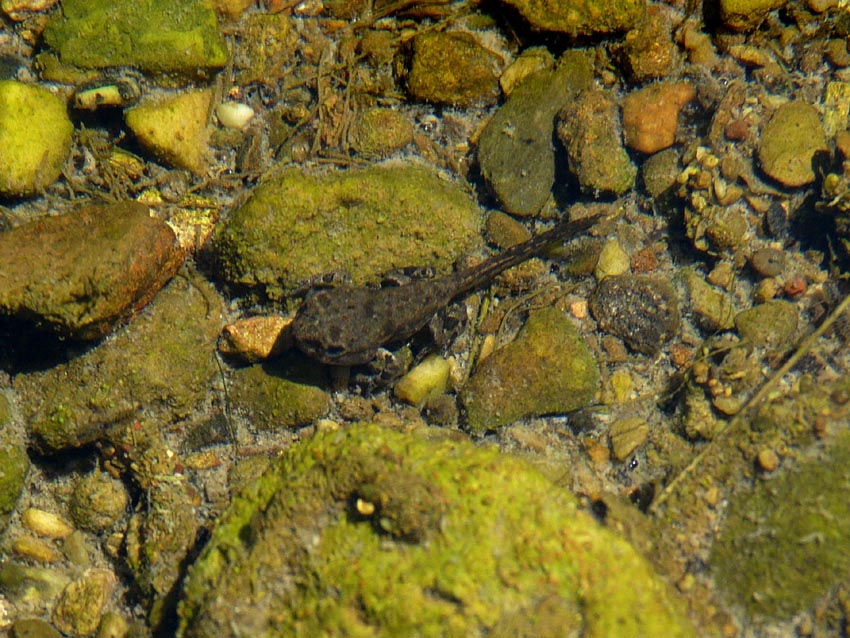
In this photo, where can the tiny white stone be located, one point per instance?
(234, 114)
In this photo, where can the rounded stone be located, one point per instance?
(35, 137)
(789, 143)
(98, 502)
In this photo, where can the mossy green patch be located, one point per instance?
(35, 137)
(369, 532)
(366, 223)
(785, 544)
(14, 464)
(162, 362)
(280, 394)
(149, 34)
(547, 369)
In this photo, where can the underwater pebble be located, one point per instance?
(379, 132)
(424, 381)
(452, 67)
(650, 115)
(81, 604)
(613, 260)
(643, 311)
(789, 142)
(768, 262)
(36, 549)
(580, 17)
(98, 502)
(234, 114)
(770, 324)
(34, 628)
(45, 524)
(256, 339)
(768, 460)
(627, 435)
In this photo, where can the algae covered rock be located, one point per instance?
(162, 363)
(369, 222)
(580, 17)
(547, 369)
(174, 129)
(789, 143)
(365, 531)
(151, 35)
(784, 545)
(35, 137)
(81, 273)
(453, 68)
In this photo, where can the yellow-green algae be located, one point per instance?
(365, 223)
(149, 34)
(784, 544)
(35, 137)
(463, 541)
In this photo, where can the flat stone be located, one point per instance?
(152, 36)
(770, 324)
(515, 152)
(789, 142)
(580, 17)
(548, 369)
(83, 272)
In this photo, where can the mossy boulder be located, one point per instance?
(35, 137)
(784, 545)
(547, 369)
(370, 532)
(365, 223)
(580, 17)
(151, 35)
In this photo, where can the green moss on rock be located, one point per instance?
(785, 544)
(416, 537)
(547, 369)
(368, 222)
(149, 34)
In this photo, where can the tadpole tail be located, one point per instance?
(514, 255)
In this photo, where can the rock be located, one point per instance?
(789, 143)
(81, 273)
(780, 574)
(35, 138)
(366, 223)
(161, 363)
(280, 394)
(714, 307)
(627, 435)
(171, 37)
(82, 602)
(378, 132)
(660, 172)
(768, 262)
(589, 128)
(174, 129)
(425, 381)
(98, 502)
(650, 115)
(254, 339)
(642, 310)
(648, 48)
(504, 231)
(745, 15)
(515, 149)
(385, 519)
(530, 61)
(580, 17)
(547, 369)
(33, 628)
(14, 465)
(771, 324)
(452, 67)
(613, 261)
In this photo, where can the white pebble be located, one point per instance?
(234, 114)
